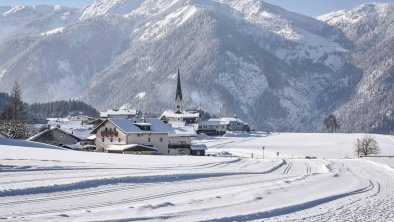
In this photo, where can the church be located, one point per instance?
(179, 116)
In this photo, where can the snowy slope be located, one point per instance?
(56, 185)
(371, 29)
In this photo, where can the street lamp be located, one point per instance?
(263, 151)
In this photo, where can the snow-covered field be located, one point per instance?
(40, 184)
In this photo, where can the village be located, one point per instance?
(128, 131)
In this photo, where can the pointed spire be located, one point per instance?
(178, 96)
(178, 88)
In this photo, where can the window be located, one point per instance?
(161, 139)
(106, 129)
(102, 139)
(111, 140)
(119, 139)
(149, 140)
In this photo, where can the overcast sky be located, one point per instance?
(306, 7)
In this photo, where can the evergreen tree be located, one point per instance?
(13, 123)
(15, 110)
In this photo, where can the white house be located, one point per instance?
(127, 136)
(151, 136)
(220, 126)
(171, 117)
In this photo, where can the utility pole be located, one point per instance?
(358, 148)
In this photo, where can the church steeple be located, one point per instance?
(178, 96)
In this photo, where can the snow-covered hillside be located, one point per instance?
(38, 184)
(276, 69)
(370, 27)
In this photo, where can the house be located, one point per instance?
(125, 136)
(220, 126)
(55, 136)
(79, 126)
(179, 115)
(81, 118)
(198, 149)
(212, 127)
(188, 117)
(122, 113)
(150, 136)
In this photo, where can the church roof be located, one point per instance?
(178, 89)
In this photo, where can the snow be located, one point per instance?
(125, 125)
(125, 147)
(65, 185)
(140, 95)
(123, 111)
(296, 145)
(54, 31)
(172, 20)
(75, 127)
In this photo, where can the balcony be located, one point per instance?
(109, 133)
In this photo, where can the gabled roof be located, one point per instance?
(130, 147)
(125, 125)
(128, 126)
(158, 126)
(52, 129)
(198, 147)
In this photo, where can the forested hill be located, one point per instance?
(38, 112)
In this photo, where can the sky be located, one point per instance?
(307, 7)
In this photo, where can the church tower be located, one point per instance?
(178, 96)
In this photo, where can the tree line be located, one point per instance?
(16, 116)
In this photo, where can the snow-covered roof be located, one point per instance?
(183, 131)
(91, 137)
(51, 129)
(77, 146)
(210, 122)
(82, 133)
(129, 147)
(221, 121)
(118, 112)
(231, 119)
(158, 126)
(184, 114)
(198, 147)
(125, 125)
(128, 126)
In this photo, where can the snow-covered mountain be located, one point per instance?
(370, 27)
(277, 69)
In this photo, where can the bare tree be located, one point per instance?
(367, 146)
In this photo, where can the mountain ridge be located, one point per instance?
(274, 68)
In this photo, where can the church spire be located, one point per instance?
(178, 96)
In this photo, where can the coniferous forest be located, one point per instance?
(38, 112)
